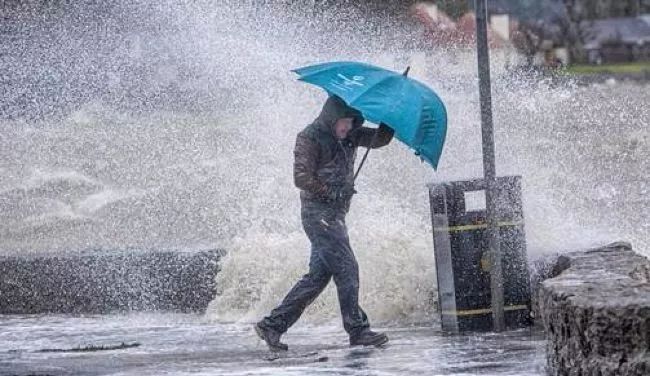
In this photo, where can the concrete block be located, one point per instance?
(596, 313)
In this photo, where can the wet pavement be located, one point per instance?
(172, 344)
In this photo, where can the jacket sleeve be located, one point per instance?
(306, 155)
(364, 136)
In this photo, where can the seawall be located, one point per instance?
(108, 281)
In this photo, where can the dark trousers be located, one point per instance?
(331, 257)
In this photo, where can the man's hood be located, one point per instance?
(334, 109)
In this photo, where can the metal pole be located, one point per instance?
(489, 169)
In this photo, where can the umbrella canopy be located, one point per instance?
(412, 109)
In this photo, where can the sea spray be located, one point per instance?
(172, 126)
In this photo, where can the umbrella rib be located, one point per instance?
(358, 96)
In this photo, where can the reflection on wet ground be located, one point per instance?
(171, 344)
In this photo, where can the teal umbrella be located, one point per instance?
(412, 109)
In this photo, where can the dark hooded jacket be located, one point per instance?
(321, 160)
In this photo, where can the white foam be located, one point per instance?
(42, 175)
(96, 201)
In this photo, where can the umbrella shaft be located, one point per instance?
(365, 155)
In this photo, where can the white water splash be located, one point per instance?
(186, 138)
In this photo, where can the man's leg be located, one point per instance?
(341, 261)
(344, 267)
(299, 297)
(325, 226)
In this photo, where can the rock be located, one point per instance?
(108, 281)
(596, 313)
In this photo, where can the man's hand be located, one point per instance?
(340, 192)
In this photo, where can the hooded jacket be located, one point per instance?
(321, 160)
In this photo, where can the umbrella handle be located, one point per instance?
(363, 160)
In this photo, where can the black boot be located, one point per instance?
(368, 338)
(271, 337)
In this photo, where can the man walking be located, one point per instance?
(323, 169)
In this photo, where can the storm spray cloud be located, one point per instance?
(171, 125)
